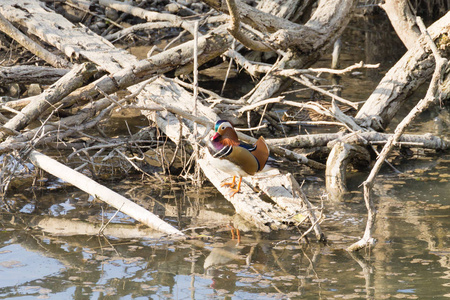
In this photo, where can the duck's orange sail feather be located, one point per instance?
(261, 152)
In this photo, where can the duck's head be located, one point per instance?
(225, 134)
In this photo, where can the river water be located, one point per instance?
(49, 247)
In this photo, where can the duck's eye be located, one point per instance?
(223, 127)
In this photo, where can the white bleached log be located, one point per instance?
(101, 192)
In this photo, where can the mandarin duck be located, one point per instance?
(234, 157)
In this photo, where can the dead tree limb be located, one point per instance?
(262, 21)
(101, 192)
(76, 123)
(317, 35)
(31, 45)
(297, 191)
(426, 141)
(150, 16)
(138, 27)
(236, 31)
(412, 70)
(76, 78)
(403, 21)
(31, 74)
(291, 10)
(210, 46)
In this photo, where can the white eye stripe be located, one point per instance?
(226, 125)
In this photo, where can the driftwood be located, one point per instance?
(28, 43)
(30, 74)
(66, 36)
(76, 78)
(110, 197)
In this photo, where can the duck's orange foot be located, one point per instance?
(236, 190)
(230, 184)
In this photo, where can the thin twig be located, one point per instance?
(195, 96)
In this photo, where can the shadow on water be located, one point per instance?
(49, 247)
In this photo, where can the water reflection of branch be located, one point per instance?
(111, 245)
(249, 257)
(312, 261)
(277, 261)
(271, 283)
(65, 227)
(193, 276)
(102, 229)
(367, 272)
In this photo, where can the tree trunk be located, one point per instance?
(403, 21)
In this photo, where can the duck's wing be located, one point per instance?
(244, 159)
(261, 152)
(238, 156)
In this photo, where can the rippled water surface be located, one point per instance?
(39, 259)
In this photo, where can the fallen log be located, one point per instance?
(73, 41)
(412, 70)
(29, 44)
(76, 78)
(101, 192)
(31, 74)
